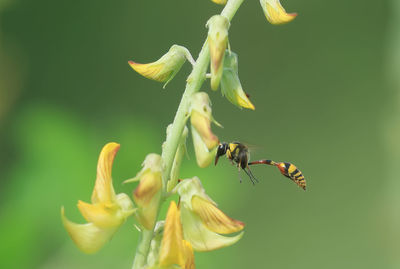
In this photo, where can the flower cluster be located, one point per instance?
(195, 223)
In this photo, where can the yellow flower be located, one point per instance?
(204, 140)
(106, 212)
(219, 2)
(231, 87)
(203, 223)
(217, 40)
(275, 13)
(164, 69)
(147, 194)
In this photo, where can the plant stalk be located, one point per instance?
(194, 82)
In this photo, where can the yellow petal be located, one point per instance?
(102, 215)
(147, 196)
(88, 237)
(152, 71)
(199, 236)
(275, 13)
(103, 190)
(189, 187)
(172, 249)
(189, 255)
(244, 101)
(219, 2)
(231, 88)
(213, 218)
(203, 127)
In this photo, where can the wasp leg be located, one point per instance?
(250, 176)
(248, 168)
(240, 178)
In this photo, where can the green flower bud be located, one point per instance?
(231, 87)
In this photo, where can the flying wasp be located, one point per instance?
(238, 153)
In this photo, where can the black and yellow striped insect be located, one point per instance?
(238, 153)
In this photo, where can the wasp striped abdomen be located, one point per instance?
(291, 171)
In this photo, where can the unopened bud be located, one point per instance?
(231, 87)
(217, 40)
(275, 13)
(180, 152)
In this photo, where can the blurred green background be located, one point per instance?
(326, 91)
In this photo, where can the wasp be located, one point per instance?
(239, 154)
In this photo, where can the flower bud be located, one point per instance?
(204, 156)
(275, 13)
(106, 212)
(201, 118)
(205, 142)
(218, 26)
(203, 223)
(230, 83)
(180, 152)
(147, 194)
(164, 69)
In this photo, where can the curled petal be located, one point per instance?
(154, 71)
(103, 190)
(172, 248)
(275, 13)
(88, 237)
(199, 236)
(213, 218)
(164, 69)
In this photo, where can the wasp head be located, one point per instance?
(222, 148)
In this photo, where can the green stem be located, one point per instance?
(194, 82)
(142, 249)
